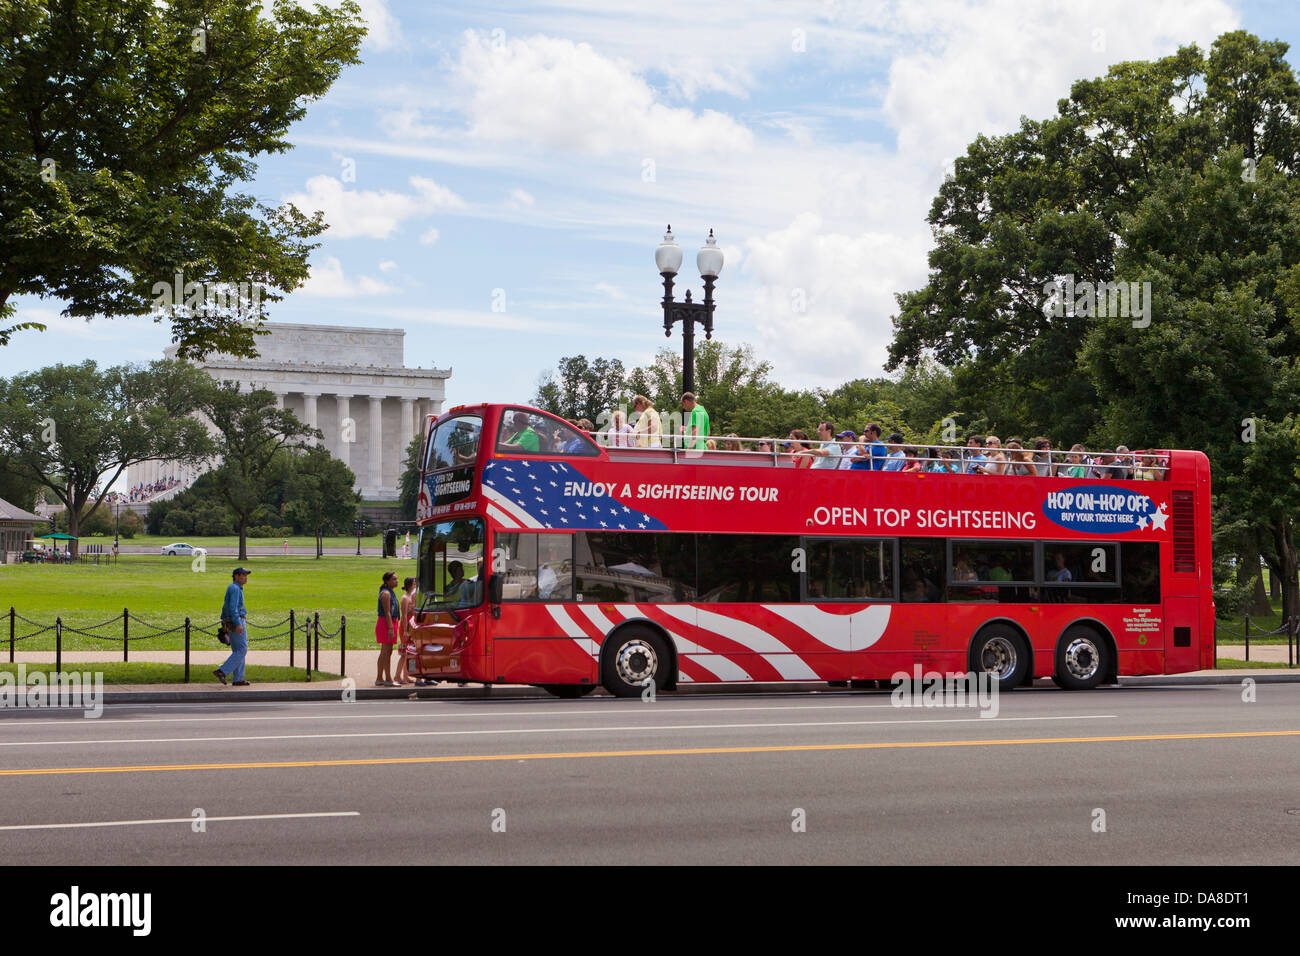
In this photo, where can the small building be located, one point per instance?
(16, 528)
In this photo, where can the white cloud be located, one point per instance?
(383, 31)
(566, 96)
(388, 265)
(368, 213)
(824, 298)
(428, 237)
(328, 281)
(519, 198)
(965, 68)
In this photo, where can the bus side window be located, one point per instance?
(923, 562)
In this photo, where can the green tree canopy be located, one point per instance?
(125, 127)
(74, 429)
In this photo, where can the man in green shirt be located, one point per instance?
(695, 422)
(524, 438)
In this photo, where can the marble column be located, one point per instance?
(309, 408)
(279, 400)
(347, 431)
(376, 444)
(408, 427)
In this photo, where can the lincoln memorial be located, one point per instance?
(351, 383)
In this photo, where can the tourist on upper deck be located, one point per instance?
(576, 445)
(975, 457)
(731, 442)
(1122, 469)
(848, 448)
(912, 462)
(621, 434)
(943, 461)
(1043, 458)
(895, 458)
(1021, 461)
(695, 423)
(523, 437)
(796, 445)
(765, 445)
(1074, 466)
(827, 454)
(647, 426)
(874, 451)
(997, 458)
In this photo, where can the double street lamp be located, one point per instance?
(668, 259)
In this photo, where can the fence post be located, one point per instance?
(343, 645)
(187, 650)
(126, 619)
(1247, 635)
(306, 651)
(58, 645)
(291, 630)
(11, 634)
(315, 651)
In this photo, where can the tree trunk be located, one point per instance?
(1285, 537)
(1274, 586)
(1248, 567)
(243, 538)
(319, 544)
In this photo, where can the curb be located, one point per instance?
(527, 692)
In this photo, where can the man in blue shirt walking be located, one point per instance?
(232, 610)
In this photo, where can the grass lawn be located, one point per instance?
(164, 591)
(1231, 664)
(146, 673)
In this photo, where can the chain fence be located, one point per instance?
(296, 627)
(1290, 628)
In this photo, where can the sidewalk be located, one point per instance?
(1275, 653)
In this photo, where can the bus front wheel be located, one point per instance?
(1001, 651)
(633, 658)
(1082, 659)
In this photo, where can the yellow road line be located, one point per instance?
(679, 752)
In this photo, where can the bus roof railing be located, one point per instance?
(1145, 465)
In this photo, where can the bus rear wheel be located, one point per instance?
(1082, 659)
(632, 659)
(1001, 651)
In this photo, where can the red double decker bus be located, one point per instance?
(547, 559)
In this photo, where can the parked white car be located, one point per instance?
(182, 548)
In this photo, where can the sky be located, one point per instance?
(497, 176)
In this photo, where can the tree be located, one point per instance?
(1222, 255)
(76, 428)
(410, 491)
(124, 127)
(1049, 201)
(579, 388)
(321, 493)
(251, 432)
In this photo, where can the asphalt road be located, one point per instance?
(1182, 774)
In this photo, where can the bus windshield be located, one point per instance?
(451, 564)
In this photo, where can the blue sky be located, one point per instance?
(529, 156)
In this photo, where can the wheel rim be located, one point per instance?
(999, 657)
(636, 662)
(1082, 658)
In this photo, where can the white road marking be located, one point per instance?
(600, 707)
(140, 823)
(540, 730)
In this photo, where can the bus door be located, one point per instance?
(1182, 634)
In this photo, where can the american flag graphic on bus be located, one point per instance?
(551, 494)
